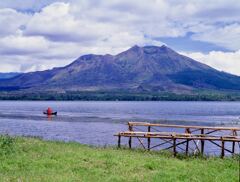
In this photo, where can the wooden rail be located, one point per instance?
(182, 126)
(189, 135)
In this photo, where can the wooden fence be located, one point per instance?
(180, 140)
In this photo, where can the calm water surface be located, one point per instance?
(95, 123)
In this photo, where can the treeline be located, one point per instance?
(113, 96)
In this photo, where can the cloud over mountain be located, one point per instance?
(52, 33)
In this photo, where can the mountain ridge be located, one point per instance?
(148, 68)
(8, 75)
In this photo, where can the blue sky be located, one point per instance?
(38, 35)
(186, 43)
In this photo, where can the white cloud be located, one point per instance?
(11, 21)
(223, 61)
(55, 22)
(27, 5)
(18, 44)
(82, 26)
(227, 36)
(24, 63)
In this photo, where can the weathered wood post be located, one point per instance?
(174, 147)
(149, 139)
(233, 143)
(223, 148)
(130, 142)
(202, 142)
(119, 141)
(187, 130)
(130, 127)
(187, 146)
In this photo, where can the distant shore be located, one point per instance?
(119, 96)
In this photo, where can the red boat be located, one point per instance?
(53, 113)
(49, 112)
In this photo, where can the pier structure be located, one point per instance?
(183, 138)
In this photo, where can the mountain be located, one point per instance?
(8, 75)
(140, 69)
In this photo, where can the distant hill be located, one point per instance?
(139, 69)
(8, 75)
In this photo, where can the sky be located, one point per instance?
(38, 35)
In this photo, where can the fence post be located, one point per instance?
(130, 127)
(223, 148)
(174, 147)
(119, 141)
(233, 143)
(187, 130)
(149, 139)
(202, 142)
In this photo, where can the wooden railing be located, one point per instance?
(189, 134)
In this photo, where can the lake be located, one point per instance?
(95, 122)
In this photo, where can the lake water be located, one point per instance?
(95, 123)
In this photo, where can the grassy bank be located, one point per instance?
(29, 159)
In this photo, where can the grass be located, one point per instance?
(32, 159)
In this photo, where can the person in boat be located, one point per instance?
(49, 111)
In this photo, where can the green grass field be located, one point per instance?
(31, 159)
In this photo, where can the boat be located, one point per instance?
(49, 114)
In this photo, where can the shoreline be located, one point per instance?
(197, 95)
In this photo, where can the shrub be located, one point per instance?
(7, 144)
